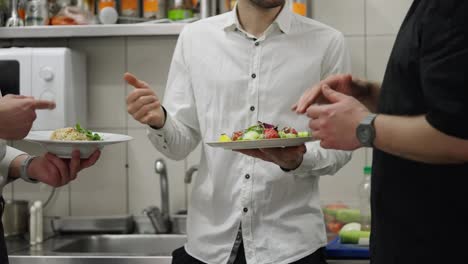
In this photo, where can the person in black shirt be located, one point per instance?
(419, 135)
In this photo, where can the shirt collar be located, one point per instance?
(283, 20)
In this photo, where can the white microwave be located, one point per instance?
(57, 74)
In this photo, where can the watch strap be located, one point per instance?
(369, 120)
(24, 170)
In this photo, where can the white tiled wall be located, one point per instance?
(124, 180)
(370, 27)
(385, 17)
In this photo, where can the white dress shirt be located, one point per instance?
(221, 80)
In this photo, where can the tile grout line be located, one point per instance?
(127, 174)
(366, 153)
(69, 185)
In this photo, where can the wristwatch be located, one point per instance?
(24, 169)
(365, 132)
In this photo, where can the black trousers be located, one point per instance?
(180, 256)
(3, 249)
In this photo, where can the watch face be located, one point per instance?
(364, 134)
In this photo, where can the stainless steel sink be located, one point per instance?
(141, 245)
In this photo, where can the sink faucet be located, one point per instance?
(187, 180)
(160, 219)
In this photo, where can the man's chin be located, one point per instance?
(268, 3)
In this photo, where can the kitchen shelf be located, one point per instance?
(119, 30)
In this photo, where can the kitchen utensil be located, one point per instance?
(14, 20)
(64, 149)
(262, 143)
(15, 217)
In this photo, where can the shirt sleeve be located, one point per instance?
(337, 59)
(444, 67)
(10, 155)
(317, 160)
(181, 133)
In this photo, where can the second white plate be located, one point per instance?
(263, 143)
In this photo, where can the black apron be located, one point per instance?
(3, 249)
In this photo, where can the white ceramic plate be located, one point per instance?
(263, 143)
(64, 149)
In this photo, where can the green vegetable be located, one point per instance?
(282, 134)
(291, 135)
(303, 134)
(89, 134)
(251, 135)
(353, 236)
(256, 128)
(348, 215)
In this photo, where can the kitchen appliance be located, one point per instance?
(15, 217)
(57, 74)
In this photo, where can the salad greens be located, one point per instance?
(91, 136)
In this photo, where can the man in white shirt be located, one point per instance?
(17, 114)
(227, 73)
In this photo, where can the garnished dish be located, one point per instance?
(76, 133)
(63, 141)
(262, 135)
(263, 131)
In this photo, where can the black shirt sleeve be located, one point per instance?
(444, 67)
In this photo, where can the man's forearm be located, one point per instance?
(368, 93)
(415, 139)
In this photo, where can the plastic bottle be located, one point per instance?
(32, 225)
(364, 199)
(39, 225)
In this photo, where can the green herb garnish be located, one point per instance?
(89, 134)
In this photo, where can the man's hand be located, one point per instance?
(57, 172)
(17, 114)
(143, 104)
(289, 158)
(344, 84)
(335, 124)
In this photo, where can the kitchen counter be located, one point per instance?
(21, 253)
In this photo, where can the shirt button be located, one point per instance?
(257, 43)
(247, 176)
(254, 76)
(246, 209)
(252, 108)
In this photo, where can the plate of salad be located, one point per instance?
(63, 141)
(262, 135)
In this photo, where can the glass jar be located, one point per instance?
(37, 13)
(364, 200)
(154, 9)
(180, 9)
(106, 3)
(299, 7)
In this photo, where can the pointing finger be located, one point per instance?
(43, 104)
